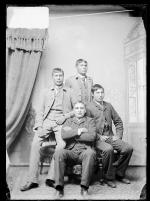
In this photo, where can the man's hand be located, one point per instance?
(103, 137)
(39, 129)
(82, 130)
(61, 120)
(114, 138)
(72, 113)
(43, 133)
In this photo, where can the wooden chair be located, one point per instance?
(72, 171)
(46, 154)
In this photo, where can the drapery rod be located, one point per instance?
(100, 13)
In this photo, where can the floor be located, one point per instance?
(17, 175)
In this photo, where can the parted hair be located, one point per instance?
(95, 87)
(80, 61)
(79, 102)
(57, 70)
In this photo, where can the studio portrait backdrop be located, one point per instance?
(24, 47)
(112, 39)
(114, 44)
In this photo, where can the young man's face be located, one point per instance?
(58, 78)
(79, 110)
(98, 95)
(82, 68)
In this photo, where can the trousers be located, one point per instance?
(35, 149)
(107, 148)
(86, 157)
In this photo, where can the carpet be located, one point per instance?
(72, 191)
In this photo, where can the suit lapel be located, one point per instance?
(104, 105)
(78, 82)
(49, 102)
(65, 101)
(106, 111)
(89, 85)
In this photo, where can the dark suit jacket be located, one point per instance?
(70, 130)
(73, 82)
(46, 100)
(94, 111)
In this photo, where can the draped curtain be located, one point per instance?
(23, 53)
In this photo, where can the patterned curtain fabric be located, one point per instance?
(23, 53)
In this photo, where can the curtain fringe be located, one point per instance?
(27, 39)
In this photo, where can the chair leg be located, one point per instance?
(100, 164)
(41, 168)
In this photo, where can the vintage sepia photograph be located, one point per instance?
(76, 102)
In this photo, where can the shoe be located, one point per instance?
(59, 194)
(50, 183)
(84, 192)
(111, 184)
(28, 186)
(124, 180)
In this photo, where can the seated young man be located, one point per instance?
(104, 113)
(55, 107)
(79, 133)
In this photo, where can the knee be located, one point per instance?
(60, 145)
(90, 153)
(59, 153)
(128, 149)
(36, 141)
(108, 149)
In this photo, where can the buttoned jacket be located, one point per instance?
(95, 111)
(74, 83)
(46, 101)
(70, 132)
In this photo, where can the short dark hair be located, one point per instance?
(95, 87)
(57, 70)
(80, 61)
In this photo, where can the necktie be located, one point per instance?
(83, 80)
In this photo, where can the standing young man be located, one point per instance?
(54, 108)
(79, 133)
(80, 84)
(104, 113)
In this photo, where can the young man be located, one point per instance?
(104, 113)
(81, 83)
(54, 108)
(79, 133)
